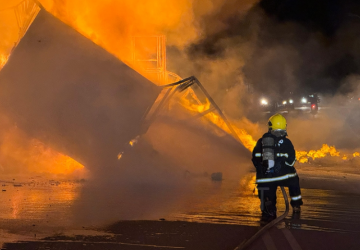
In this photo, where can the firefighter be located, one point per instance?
(274, 160)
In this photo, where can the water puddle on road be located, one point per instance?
(31, 208)
(235, 203)
(42, 200)
(34, 208)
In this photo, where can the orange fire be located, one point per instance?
(112, 25)
(125, 19)
(3, 60)
(18, 153)
(21, 154)
(191, 102)
(325, 150)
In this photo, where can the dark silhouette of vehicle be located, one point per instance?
(314, 103)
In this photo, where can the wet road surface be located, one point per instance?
(218, 215)
(323, 210)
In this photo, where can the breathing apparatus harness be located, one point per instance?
(270, 150)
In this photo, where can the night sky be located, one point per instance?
(317, 42)
(325, 16)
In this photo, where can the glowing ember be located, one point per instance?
(134, 141)
(120, 155)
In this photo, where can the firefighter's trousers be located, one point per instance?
(267, 193)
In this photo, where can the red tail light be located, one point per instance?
(313, 106)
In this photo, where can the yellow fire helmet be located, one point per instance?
(277, 122)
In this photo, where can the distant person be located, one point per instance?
(274, 160)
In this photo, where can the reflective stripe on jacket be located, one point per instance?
(285, 156)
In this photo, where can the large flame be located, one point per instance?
(111, 24)
(108, 22)
(22, 154)
(19, 153)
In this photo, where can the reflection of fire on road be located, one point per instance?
(40, 200)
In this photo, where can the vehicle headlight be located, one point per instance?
(284, 102)
(291, 101)
(264, 102)
(303, 100)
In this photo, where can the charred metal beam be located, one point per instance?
(211, 100)
(183, 85)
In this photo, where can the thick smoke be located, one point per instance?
(278, 47)
(158, 176)
(238, 50)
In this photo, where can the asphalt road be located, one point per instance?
(218, 215)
